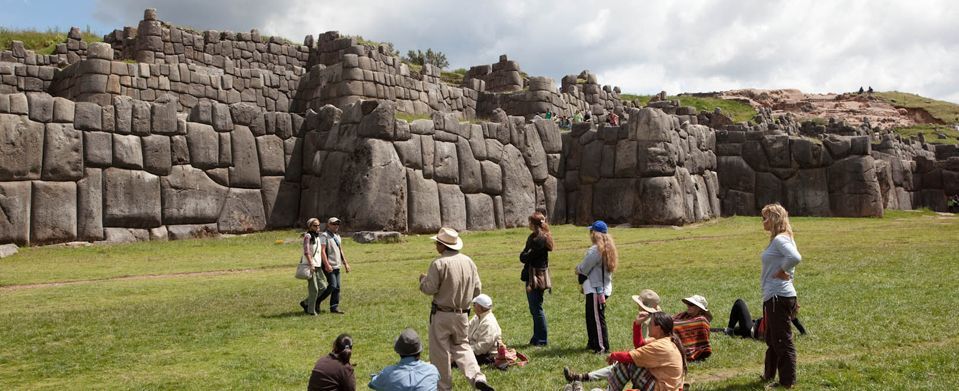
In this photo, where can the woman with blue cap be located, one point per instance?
(596, 271)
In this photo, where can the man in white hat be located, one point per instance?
(453, 282)
(484, 331)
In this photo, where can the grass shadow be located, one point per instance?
(284, 315)
(530, 350)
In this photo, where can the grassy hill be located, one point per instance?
(42, 42)
(223, 314)
(738, 111)
(947, 112)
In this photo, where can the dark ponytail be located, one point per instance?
(343, 348)
(665, 322)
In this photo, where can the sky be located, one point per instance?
(643, 47)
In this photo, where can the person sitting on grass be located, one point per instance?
(658, 365)
(410, 374)
(333, 372)
(691, 326)
(742, 324)
(484, 332)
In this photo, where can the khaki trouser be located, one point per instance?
(448, 342)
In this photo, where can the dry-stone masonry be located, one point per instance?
(161, 132)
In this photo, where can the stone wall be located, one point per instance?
(137, 170)
(377, 172)
(651, 170)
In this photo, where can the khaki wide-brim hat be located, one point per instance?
(648, 300)
(449, 238)
(697, 301)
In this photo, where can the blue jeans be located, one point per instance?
(535, 299)
(332, 290)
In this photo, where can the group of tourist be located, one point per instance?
(662, 344)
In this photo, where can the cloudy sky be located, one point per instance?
(644, 47)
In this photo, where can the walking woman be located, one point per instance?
(779, 262)
(317, 282)
(597, 267)
(535, 259)
(333, 372)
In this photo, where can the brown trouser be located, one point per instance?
(780, 351)
(449, 343)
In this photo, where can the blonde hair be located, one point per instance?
(778, 220)
(607, 249)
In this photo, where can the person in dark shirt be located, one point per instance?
(535, 259)
(333, 372)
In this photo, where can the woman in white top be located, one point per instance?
(779, 262)
(316, 283)
(596, 275)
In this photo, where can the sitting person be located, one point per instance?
(333, 372)
(484, 333)
(410, 374)
(742, 324)
(660, 364)
(692, 328)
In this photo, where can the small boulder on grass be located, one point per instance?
(7, 250)
(377, 236)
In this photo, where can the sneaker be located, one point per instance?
(483, 386)
(572, 376)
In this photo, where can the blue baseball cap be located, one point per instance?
(599, 226)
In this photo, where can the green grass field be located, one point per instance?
(878, 297)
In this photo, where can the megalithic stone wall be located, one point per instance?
(377, 172)
(137, 170)
(652, 170)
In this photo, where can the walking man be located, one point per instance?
(331, 254)
(453, 282)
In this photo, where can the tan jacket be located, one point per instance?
(452, 280)
(663, 360)
(483, 333)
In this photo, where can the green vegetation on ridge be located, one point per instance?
(738, 111)
(42, 42)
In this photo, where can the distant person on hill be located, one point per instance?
(597, 267)
(742, 324)
(535, 274)
(861, 90)
(549, 114)
(613, 119)
(484, 332)
(870, 90)
(779, 262)
(331, 253)
(410, 374)
(316, 283)
(587, 117)
(333, 372)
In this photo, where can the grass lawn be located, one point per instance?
(738, 111)
(878, 297)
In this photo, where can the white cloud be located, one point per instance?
(644, 47)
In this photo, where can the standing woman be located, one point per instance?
(535, 259)
(317, 282)
(779, 295)
(598, 266)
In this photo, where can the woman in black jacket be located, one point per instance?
(535, 259)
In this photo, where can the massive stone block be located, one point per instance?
(53, 212)
(735, 202)
(21, 148)
(41, 106)
(127, 152)
(735, 174)
(246, 163)
(807, 193)
(660, 201)
(535, 155)
(62, 153)
(480, 214)
(376, 187)
(853, 188)
(410, 152)
(15, 199)
(649, 124)
(203, 144)
(90, 205)
(270, 151)
(445, 163)
(519, 193)
(613, 200)
(281, 202)
(655, 159)
(452, 206)
(130, 198)
(242, 212)
(163, 113)
(190, 197)
(470, 175)
(157, 158)
(424, 203)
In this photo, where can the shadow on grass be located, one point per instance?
(530, 350)
(284, 315)
(745, 385)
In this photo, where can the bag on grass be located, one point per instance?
(506, 358)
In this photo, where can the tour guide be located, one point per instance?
(453, 281)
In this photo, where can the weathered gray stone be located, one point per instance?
(246, 162)
(90, 205)
(63, 110)
(127, 152)
(424, 203)
(21, 148)
(123, 114)
(157, 157)
(41, 106)
(655, 159)
(140, 118)
(245, 113)
(492, 177)
(410, 153)
(649, 124)
(480, 214)
(853, 188)
(445, 163)
(130, 198)
(270, 151)
(190, 196)
(18, 104)
(376, 187)
(470, 175)
(242, 212)
(777, 150)
(191, 231)
(281, 201)
(769, 189)
(204, 145)
(179, 150)
(613, 200)
(222, 119)
(7, 250)
(116, 235)
(88, 116)
(379, 121)
(452, 206)
(163, 112)
(62, 153)
(809, 154)
(15, 199)
(591, 162)
(713, 191)
(535, 155)
(807, 193)
(735, 202)
(626, 159)
(860, 145)
(735, 174)
(519, 197)
(838, 146)
(661, 201)
(159, 233)
(53, 212)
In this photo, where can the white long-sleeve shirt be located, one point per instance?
(781, 254)
(483, 333)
